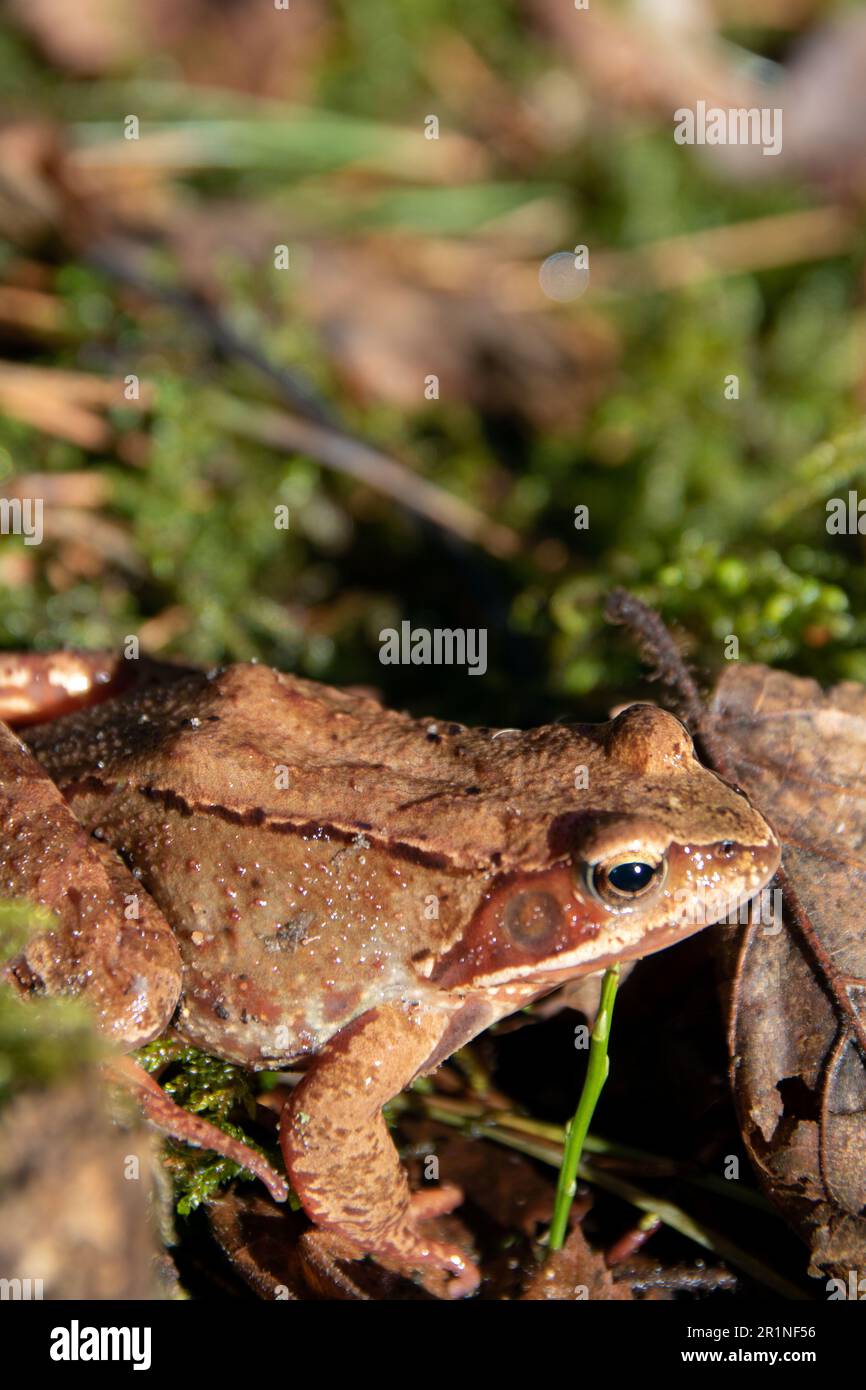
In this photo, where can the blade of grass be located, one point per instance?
(596, 1075)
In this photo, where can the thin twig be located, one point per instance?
(352, 457)
(657, 647)
(737, 248)
(833, 980)
(114, 261)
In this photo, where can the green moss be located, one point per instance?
(212, 1088)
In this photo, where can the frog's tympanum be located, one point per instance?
(294, 876)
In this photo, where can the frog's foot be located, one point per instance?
(443, 1270)
(403, 1247)
(173, 1120)
(435, 1201)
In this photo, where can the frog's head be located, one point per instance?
(655, 848)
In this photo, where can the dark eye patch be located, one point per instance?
(532, 919)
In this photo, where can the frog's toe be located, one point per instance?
(172, 1119)
(444, 1270)
(435, 1201)
(461, 1275)
(404, 1246)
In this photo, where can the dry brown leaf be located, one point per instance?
(576, 1272)
(29, 312)
(73, 489)
(648, 62)
(243, 45)
(797, 1070)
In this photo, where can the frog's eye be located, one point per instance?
(622, 881)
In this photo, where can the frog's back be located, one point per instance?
(263, 745)
(291, 918)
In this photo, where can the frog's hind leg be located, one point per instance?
(109, 943)
(340, 1157)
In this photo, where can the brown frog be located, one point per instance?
(291, 873)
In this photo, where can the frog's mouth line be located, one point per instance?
(652, 941)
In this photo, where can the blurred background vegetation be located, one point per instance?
(412, 257)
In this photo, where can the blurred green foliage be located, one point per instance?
(711, 508)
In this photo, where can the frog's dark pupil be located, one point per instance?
(630, 878)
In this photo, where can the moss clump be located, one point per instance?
(205, 1086)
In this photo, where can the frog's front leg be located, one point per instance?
(340, 1156)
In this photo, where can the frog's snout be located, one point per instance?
(752, 866)
(756, 853)
(766, 859)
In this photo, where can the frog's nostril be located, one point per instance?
(767, 858)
